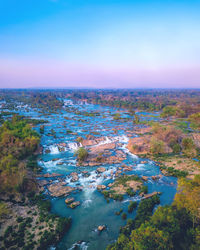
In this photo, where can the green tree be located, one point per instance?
(147, 237)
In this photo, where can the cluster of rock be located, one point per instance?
(71, 203)
(101, 151)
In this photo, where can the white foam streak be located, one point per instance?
(74, 146)
(54, 150)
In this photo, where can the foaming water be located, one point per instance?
(81, 246)
(54, 150)
(74, 146)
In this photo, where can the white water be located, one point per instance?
(82, 246)
(73, 146)
(54, 150)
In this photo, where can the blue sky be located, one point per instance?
(61, 43)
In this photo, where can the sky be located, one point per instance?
(99, 44)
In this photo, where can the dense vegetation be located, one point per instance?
(38, 229)
(170, 227)
(172, 139)
(17, 142)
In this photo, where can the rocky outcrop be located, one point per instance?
(144, 178)
(48, 175)
(101, 170)
(101, 148)
(74, 176)
(69, 200)
(156, 177)
(92, 141)
(59, 189)
(146, 196)
(74, 204)
(126, 168)
(101, 187)
(139, 145)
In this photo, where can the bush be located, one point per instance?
(131, 206)
(19, 219)
(130, 192)
(143, 189)
(176, 148)
(82, 154)
(118, 197)
(124, 216)
(119, 212)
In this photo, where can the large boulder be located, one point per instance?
(59, 189)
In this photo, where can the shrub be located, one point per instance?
(82, 154)
(131, 206)
(124, 216)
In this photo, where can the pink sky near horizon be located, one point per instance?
(29, 74)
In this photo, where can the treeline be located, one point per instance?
(152, 100)
(171, 227)
(43, 99)
(185, 101)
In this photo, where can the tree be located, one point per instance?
(195, 120)
(82, 154)
(188, 196)
(189, 148)
(156, 146)
(136, 119)
(146, 237)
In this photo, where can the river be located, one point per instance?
(94, 209)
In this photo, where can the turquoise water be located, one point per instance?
(93, 210)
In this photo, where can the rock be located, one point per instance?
(101, 170)
(63, 144)
(146, 196)
(74, 176)
(110, 184)
(43, 182)
(128, 168)
(48, 175)
(144, 178)
(58, 189)
(60, 163)
(90, 137)
(101, 228)
(74, 204)
(101, 187)
(155, 177)
(101, 148)
(69, 200)
(47, 151)
(55, 159)
(84, 172)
